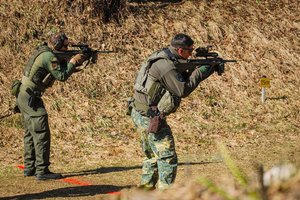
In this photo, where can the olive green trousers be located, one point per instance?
(37, 133)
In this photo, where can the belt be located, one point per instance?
(28, 83)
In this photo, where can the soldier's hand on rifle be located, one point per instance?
(78, 59)
(219, 68)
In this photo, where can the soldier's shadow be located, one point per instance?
(100, 170)
(103, 170)
(89, 190)
(79, 191)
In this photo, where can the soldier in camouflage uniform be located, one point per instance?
(159, 87)
(42, 69)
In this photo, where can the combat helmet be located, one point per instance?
(57, 40)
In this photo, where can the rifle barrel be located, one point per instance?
(230, 60)
(67, 52)
(208, 54)
(105, 51)
(80, 51)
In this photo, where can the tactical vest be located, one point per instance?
(40, 76)
(142, 75)
(156, 94)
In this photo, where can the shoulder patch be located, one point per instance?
(179, 77)
(54, 63)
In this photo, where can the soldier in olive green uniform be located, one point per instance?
(42, 69)
(159, 87)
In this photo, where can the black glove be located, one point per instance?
(219, 68)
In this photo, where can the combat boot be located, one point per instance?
(48, 176)
(29, 172)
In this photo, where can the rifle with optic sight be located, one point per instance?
(92, 54)
(203, 57)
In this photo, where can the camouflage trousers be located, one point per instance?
(160, 162)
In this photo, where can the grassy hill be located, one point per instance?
(87, 113)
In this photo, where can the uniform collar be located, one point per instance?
(174, 52)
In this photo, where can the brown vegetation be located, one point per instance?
(87, 113)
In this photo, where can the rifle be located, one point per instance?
(10, 112)
(208, 58)
(92, 55)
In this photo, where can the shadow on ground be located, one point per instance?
(284, 97)
(79, 191)
(90, 190)
(103, 170)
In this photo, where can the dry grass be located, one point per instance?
(87, 113)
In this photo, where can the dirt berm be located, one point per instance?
(92, 138)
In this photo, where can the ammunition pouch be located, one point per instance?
(42, 78)
(168, 103)
(156, 119)
(141, 107)
(154, 91)
(15, 87)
